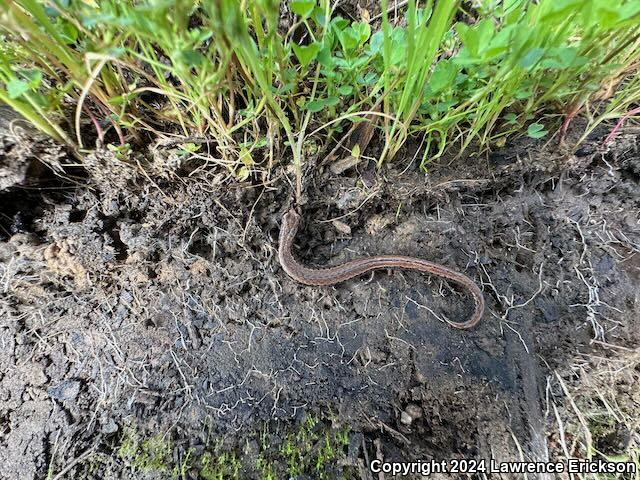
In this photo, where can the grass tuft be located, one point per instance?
(446, 73)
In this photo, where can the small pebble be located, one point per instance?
(414, 411)
(405, 418)
(341, 227)
(420, 378)
(109, 427)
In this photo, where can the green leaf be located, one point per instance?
(68, 33)
(463, 32)
(511, 118)
(190, 147)
(318, 105)
(398, 50)
(375, 45)
(345, 90)
(318, 16)
(562, 9)
(369, 79)
(445, 106)
(569, 57)
(338, 24)
(608, 17)
(484, 33)
(355, 151)
(325, 58)
(500, 42)
(524, 92)
(349, 39)
(362, 31)
(443, 76)
(531, 57)
(464, 58)
(536, 130)
(342, 62)
(31, 80)
(477, 38)
(243, 173)
(563, 58)
(192, 58)
(245, 157)
(16, 88)
(304, 8)
(33, 77)
(92, 20)
(306, 53)
(199, 35)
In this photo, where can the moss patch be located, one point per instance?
(312, 448)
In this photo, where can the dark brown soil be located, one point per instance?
(158, 303)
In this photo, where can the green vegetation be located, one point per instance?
(449, 73)
(146, 455)
(223, 466)
(311, 448)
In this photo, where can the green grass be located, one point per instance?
(446, 73)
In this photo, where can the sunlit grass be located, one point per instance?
(445, 73)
